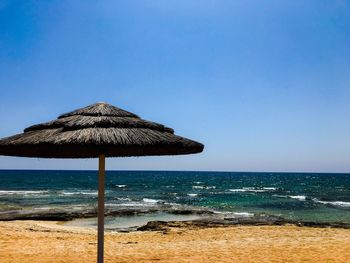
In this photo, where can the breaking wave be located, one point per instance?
(253, 189)
(332, 203)
(21, 192)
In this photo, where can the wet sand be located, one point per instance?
(38, 241)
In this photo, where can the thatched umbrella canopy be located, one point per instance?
(99, 130)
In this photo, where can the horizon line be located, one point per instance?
(159, 170)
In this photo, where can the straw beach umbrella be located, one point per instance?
(97, 131)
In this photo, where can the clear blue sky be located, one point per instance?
(265, 85)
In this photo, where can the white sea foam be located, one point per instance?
(79, 193)
(234, 214)
(43, 208)
(303, 198)
(63, 207)
(153, 201)
(192, 195)
(68, 193)
(333, 203)
(145, 202)
(243, 214)
(121, 185)
(22, 192)
(131, 204)
(253, 189)
(238, 190)
(124, 198)
(203, 187)
(298, 197)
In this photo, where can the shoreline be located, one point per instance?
(204, 218)
(52, 241)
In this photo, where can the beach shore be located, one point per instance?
(42, 241)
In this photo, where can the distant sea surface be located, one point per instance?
(297, 196)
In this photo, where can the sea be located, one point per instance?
(136, 197)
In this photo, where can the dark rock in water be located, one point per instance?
(45, 215)
(68, 213)
(258, 220)
(183, 212)
(190, 212)
(154, 226)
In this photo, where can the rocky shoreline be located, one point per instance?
(208, 218)
(69, 213)
(258, 220)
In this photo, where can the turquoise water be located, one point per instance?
(297, 196)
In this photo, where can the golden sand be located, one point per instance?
(33, 241)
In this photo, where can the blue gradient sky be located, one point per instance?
(265, 85)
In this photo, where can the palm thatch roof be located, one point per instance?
(97, 129)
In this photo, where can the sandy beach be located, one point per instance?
(40, 241)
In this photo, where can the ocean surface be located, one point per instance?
(296, 196)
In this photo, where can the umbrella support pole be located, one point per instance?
(101, 207)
